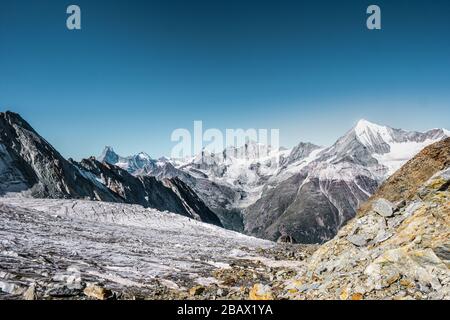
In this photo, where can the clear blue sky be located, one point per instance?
(140, 69)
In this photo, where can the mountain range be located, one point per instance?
(304, 194)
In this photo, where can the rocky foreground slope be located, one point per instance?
(399, 245)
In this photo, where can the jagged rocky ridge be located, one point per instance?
(31, 165)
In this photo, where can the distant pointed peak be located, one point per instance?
(369, 133)
(108, 149)
(364, 126)
(109, 155)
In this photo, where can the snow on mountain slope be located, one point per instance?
(245, 166)
(399, 154)
(311, 204)
(294, 167)
(379, 149)
(393, 147)
(249, 168)
(225, 182)
(241, 172)
(370, 134)
(119, 243)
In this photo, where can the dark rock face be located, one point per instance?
(13, 180)
(191, 201)
(310, 214)
(124, 185)
(316, 214)
(308, 208)
(219, 197)
(33, 164)
(271, 206)
(30, 164)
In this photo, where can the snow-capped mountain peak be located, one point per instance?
(364, 124)
(371, 134)
(381, 148)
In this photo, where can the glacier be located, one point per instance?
(120, 244)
